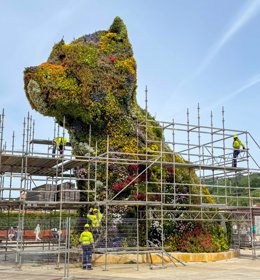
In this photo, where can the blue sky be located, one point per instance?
(187, 52)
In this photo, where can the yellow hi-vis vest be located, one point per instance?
(60, 141)
(95, 219)
(237, 144)
(86, 238)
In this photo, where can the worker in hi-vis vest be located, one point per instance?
(237, 145)
(87, 241)
(59, 142)
(95, 217)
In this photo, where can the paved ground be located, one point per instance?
(235, 269)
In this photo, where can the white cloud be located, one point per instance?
(245, 16)
(248, 84)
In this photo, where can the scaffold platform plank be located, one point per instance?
(35, 165)
(48, 166)
(191, 214)
(28, 164)
(45, 142)
(208, 167)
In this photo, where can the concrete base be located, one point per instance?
(120, 258)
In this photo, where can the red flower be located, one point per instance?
(140, 196)
(133, 167)
(155, 197)
(170, 169)
(118, 186)
(112, 59)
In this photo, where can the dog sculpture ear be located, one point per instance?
(119, 27)
(57, 53)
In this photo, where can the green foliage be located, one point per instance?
(220, 239)
(237, 189)
(198, 239)
(118, 27)
(80, 55)
(74, 239)
(47, 220)
(57, 53)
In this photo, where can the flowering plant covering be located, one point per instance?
(92, 82)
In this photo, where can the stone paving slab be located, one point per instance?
(235, 269)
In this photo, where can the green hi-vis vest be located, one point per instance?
(86, 238)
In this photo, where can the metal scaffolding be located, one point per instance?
(33, 181)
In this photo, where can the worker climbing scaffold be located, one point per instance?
(95, 217)
(59, 142)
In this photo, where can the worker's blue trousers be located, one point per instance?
(87, 256)
(235, 155)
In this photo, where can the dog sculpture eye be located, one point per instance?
(62, 56)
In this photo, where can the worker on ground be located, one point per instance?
(11, 234)
(95, 216)
(37, 232)
(56, 233)
(237, 144)
(87, 241)
(59, 142)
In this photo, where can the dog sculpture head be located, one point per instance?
(91, 81)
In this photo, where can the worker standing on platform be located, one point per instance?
(95, 216)
(59, 142)
(237, 144)
(87, 241)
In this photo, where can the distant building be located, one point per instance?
(49, 192)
